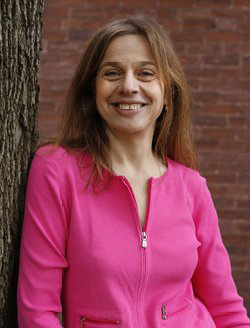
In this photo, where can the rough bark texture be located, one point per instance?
(20, 43)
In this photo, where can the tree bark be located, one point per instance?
(21, 24)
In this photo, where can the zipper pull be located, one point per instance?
(144, 240)
(163, 312)
(82, 320)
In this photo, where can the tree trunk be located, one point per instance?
(21, 24)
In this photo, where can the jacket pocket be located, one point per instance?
(104, 318)
(90, 321)
(171, 309)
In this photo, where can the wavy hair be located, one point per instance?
(82, 127)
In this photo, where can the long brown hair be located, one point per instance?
(82, 127)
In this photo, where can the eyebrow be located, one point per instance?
(119, 64)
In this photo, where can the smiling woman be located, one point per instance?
(129, 89)
(120, 227)
(142, 43)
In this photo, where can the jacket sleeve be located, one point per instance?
(42, 255)
(212, 281)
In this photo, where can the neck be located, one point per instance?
(132, 154)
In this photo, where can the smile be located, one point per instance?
(129, 106)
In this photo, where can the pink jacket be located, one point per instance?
(85, 253)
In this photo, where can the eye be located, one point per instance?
(111, 74)
(146, 74)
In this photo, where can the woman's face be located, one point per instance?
(129, 90)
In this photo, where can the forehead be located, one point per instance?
(129, 48)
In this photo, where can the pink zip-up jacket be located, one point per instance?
(86, 254)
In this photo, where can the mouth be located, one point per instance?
(128, 107)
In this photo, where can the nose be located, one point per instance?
(129, 84)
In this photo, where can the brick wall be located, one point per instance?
(212, 39)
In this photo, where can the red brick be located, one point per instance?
(239, 97)
(53, 94)
(244, 25)
(244, 203)
(56, 34)
(246, 37)
(180, 4)
(246, 60)
(224, 189)
(211, 120)
(79, 11)
(233, 145)
(198, 23)
(221, 177)
(220, 109)
(51, 5)
(81, 34)
(56, 10)
(47, 107)
(79, 23)
(239, 121)
(169, 24)
(211, 4)
(219, 133)
(235, 224)
(237, 240)
(205, 96)
(227, 85)
(229, 59)
(228, 13)
(142, 4)
(194, 83)
(205, 48)
(222, 203)
(244, 3)
(230, 72)
(202, 72)
(209, 143)
(227, 23)
(55, 72)
(190, 60)
(187, 36)
(226, 36)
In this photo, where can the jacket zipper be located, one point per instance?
(84, 319)
(165, 315)
(144, 242)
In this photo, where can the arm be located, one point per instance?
(42, 258)
(212, 281)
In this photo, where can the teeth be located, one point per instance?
(127, 106)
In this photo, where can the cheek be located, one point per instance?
(103, 92)
(157, 93)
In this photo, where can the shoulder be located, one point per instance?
(194, 184)
(66, 164)
(60, 157)
(186, 175)
(55, 154)
(187, 179)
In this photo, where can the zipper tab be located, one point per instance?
(144, 239)
(163, 312)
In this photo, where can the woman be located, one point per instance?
(120, 228)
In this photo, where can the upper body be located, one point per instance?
(123, 231)
(83, 251)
